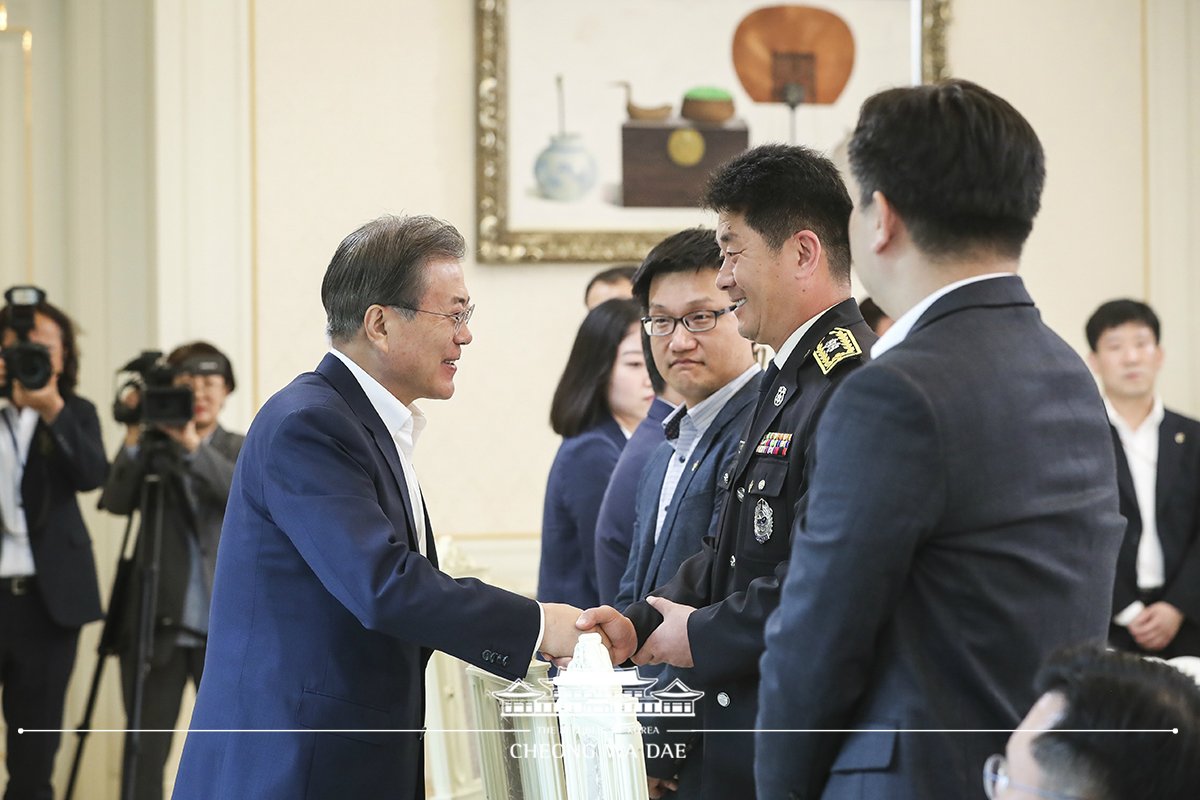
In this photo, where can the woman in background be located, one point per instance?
(603, 394)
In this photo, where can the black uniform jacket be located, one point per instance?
(734, 580)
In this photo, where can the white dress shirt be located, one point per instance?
(405, 424)
(900, 328)
(16, 434)
(1141, 453)
(692, 426)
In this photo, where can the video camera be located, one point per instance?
(25, 362)
(160, 401)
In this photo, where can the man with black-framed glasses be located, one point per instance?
(694, 341)
(328, 599)
(782, 232)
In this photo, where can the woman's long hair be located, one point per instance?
(581, 399)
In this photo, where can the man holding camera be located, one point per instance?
(199, 458)
(50, 449)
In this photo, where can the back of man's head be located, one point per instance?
(607, 284)
(781, 190)
(1116, 313)
(961, 167)
(1130, 730)
(383, 263)
(687, 251)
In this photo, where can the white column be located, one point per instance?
(202, 183)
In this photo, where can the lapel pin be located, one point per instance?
(1179, 437)
(779, 395)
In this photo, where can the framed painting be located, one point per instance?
(598, 123)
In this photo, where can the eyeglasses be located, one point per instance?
(696, 322)
(460, 319)
(995, 781)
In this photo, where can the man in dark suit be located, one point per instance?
(50, 450)
(614, 525)
(962, 513)
(199, 458)
(696, 347)
(1156, 601)
(328, 601)
(783, 212)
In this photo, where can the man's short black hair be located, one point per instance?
(1116, 313)
(687, 251)
(1109, 691)
(783, 189)
(621, 272)
(961, 166)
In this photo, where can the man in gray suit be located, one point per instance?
(701, 356)
(962, 510)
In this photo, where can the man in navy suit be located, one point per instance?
(1156, 601)
(327, 600)
(962, 519)
(697, 349)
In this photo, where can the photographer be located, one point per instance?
(50, 449)
(201, 455)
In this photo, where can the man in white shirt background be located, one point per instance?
(1156, 600)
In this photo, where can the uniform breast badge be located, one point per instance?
(838, 345)
(780, 395)
(774, 444)
(764, 521)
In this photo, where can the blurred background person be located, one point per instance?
(614, 526)
(875, 316)
(202, 457)
(603, 395)
(1102, 730)
(614, 283)
(50, 450)
(1156, 600)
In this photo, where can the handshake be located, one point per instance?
(667, 644)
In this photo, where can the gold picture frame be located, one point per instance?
(498, 244)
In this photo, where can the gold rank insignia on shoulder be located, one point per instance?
(838, 345)
(774, 444)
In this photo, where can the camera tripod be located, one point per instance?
(157, 460)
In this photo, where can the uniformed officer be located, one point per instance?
(783, 214)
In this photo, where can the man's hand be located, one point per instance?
(660, 786)
(46, 400)
(1156, 626)
(669, 642)
(562, 632)
(619, 633)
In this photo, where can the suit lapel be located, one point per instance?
(342, 380)
(656, 470)
(1170, 455)
(744, 396)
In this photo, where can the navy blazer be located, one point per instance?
(324, 613)
(578, 478)
(961, 526)
(614, 526)
(1177, 497)
(695, 506)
